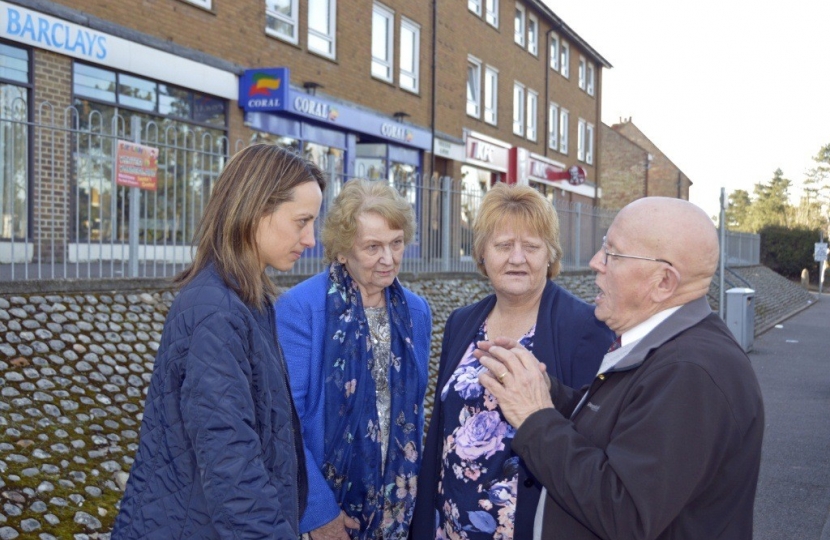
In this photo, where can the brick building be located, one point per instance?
(634, 167)
(481, 91)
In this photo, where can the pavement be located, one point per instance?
(791, 361)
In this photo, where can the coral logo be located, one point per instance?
(264, 85)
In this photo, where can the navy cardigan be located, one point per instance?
(572, 349)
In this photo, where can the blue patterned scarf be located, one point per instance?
(351, 466)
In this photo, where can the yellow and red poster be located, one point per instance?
(136, 165)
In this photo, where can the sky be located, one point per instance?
(730, 91)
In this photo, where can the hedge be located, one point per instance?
(789, 251)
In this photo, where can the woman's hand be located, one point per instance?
(336, 528)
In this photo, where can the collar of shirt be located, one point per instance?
(641, 330)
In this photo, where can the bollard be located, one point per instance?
(805, 279)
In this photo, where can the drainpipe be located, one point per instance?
(433, 71)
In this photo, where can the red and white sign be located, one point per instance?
(487, 152)
(525, 166)
(136, 165)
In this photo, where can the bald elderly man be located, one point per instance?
(665, 443)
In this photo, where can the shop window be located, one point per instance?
(14, 142)
(188, 128)
(383, 29)
(281, 19)
(322, 26)
(491, 95)
(473, 87)
(410, 55)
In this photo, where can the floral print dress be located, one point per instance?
(479, 473)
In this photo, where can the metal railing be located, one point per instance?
(742, 249)
(62, 215)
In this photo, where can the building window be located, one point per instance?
(563, 131)
(582, 72)
(474, 6)
(491, 12)
(322, 24)
(14, 142)
(410, 55)
(589, 79)
(491, 95)
(565, 59)
(554, 52)
(532, 108)
(281, 19)
(580, 140)
(589, 144)
(519, 25)
(383, 29)
(207, 4)
(533, 35)
(473, 87)
(518, 109)
(553, 126)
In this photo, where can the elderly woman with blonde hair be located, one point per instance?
(357, 346)
(472, 486)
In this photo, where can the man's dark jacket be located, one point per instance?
(569, 340)
(666, 445)
(220, 454)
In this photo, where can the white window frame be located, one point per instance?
(583, 72)
(590, 79)
(580, 140)
(415, 29)
(491, 98)
(553, 126)
(554, 52)
(589, 144)
(533, 40)
(207, 4)
(519, 17)
(564, 117)
(293, 20)
(564, 59)
(474, 104)
(491, 12)
(329, 37)
(388, 62)
(532, 110)
(518, 109)
(474, 6)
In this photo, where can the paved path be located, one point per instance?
(792, 361)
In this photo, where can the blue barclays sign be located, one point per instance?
(40, 30)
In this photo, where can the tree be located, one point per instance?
(737, 212)
(771, 205)
(815, 203)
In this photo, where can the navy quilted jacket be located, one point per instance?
(220, 454)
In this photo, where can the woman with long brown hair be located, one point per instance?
(220, 453)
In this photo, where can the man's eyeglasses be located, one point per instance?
(620, 256)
